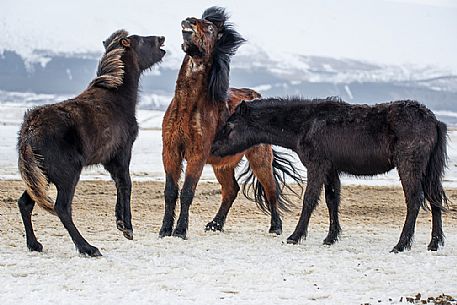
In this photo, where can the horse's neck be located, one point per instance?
(129, 90)
(281, 134)
(192, 83)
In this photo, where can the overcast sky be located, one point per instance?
(417, 32)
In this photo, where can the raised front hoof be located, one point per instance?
(180, 233)
(435, 244)
(128, 233)
(214, 226)
(35, 246)
(89, 251)
(120, 225)
(277, 231)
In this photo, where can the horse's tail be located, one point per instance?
(34, 177)
(283, 167)
(431, 182)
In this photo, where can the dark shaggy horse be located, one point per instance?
(98, 126)
(202, 103)
(331, 137)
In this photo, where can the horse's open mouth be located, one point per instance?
(162, 44)
(187, 34)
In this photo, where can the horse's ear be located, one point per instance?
(243, 108)
(104, 44)
(125, 42)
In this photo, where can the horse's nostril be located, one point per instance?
(161, 40)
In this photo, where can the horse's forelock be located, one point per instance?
(216, 15)
(114, 38)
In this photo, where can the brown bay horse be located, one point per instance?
(201, 105)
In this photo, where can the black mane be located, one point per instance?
(226, 46)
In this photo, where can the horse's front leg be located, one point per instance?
(118, 167)
(315, 181)
(194, 170)
(172, 162)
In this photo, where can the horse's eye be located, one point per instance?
(210, 28)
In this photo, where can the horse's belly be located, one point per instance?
(364, 167)
(229, 161)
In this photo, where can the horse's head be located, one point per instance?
(200, 35)
(234, 136)
(212, 40)
(123, 52)
(145, 50)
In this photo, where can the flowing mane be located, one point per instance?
(226, 46)
(110, 71)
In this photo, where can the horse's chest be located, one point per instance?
(187, 127)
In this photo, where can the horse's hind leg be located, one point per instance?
(315, 181)
(118, 167)
(230, 188)
(437, 229)
(194, 170)
(26, 205)
(412, 189)
(260, 160)
(65, 193)
(332, 198)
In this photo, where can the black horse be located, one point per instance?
(333, 137)
(98, 126)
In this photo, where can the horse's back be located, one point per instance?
(236, 95)
(369, 140)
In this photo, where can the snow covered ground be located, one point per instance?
(242, 265)
(231, 268)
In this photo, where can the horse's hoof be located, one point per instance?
(90, 251)
(277, 231)
(328, 241)
(432, 248)
(165, 232)
(120, 225)
(292, 241)
(214, 226)
(180, 234)
(397, 249)
(128, 233)
(35, 246)
(435, 243)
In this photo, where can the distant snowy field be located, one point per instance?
(147, 151)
